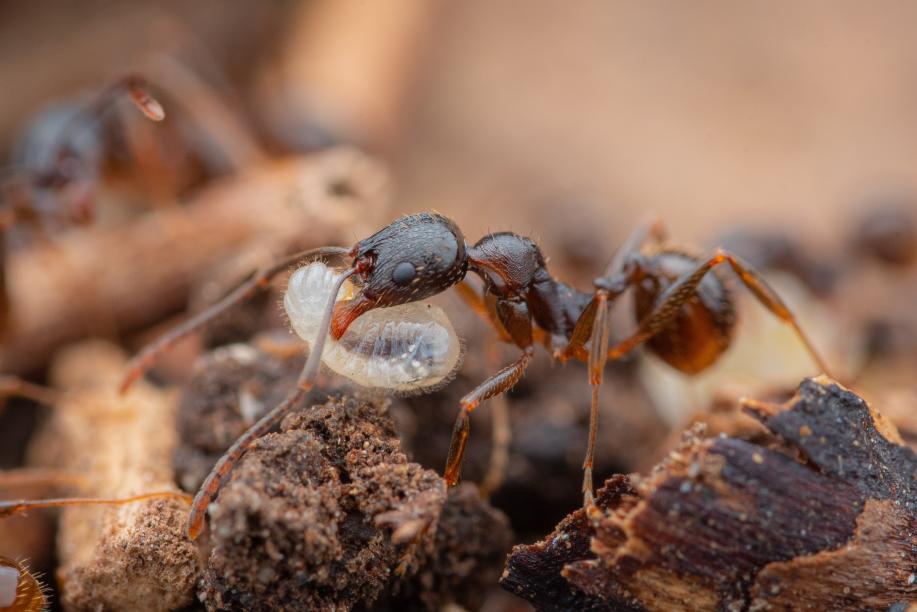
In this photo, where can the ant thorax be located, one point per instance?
(408, 348)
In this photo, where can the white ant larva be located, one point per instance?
(407, 348)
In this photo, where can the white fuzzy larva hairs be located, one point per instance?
(408, 349)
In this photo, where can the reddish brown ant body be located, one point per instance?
(685, 312)
(20, 589)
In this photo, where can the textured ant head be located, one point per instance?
(413, 258)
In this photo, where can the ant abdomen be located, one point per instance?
(20, 590)
(409, 348)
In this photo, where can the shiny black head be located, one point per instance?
(413, 258)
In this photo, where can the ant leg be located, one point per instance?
(593, 326)
(18, 506)
(620, 273)
(12, 386)
(143, 360)
(650, 228)
(501, 434)
(496, 384)
(598, 351)
(214, 480)
(684, 288)
(763, 292)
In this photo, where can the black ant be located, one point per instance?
(685, 313)
(55, 170)
(56, 166)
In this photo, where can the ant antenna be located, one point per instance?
(18, 506)
(310, 370)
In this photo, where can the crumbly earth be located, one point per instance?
(234, 386)
(329, 514)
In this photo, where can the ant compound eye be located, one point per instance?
(404, 273)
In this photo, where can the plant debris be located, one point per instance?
(822, 516)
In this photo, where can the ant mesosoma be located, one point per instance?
(685, 313)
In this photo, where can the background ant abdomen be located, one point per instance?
(702, 330)
(20, 590)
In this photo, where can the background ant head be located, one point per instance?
(413, 258)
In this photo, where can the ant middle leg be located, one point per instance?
(498, 383)
(501, 434)
(144, 359)
(593, 327)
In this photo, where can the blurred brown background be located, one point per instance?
(505, 114)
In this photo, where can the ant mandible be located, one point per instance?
(685, 313)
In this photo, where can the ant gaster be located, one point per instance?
(685, 313)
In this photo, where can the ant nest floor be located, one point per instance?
(327, 513)
(767, 506)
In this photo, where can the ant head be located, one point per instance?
(413, 258)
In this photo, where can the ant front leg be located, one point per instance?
(498, 383)
(147, 356)
(516, 319)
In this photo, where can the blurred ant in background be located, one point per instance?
(56, 167)
(56, 164)
(685, 313)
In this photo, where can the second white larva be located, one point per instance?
(407, 348)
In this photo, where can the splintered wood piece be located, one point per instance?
(820, 515)
(104, 280)
(128, 556)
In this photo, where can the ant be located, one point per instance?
(685, 313)
(53, 178)
(56, 165)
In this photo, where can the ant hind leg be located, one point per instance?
(685, 288)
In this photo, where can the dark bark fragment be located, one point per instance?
(819, 516)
